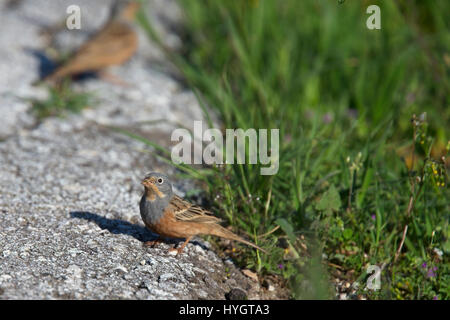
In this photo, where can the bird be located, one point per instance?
(170, 216)
(113, 44)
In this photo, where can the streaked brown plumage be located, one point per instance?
(114, 44)
(170, 216)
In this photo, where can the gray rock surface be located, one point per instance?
(69, 187)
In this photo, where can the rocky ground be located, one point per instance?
(69, 187)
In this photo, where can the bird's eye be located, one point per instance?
(160, 180)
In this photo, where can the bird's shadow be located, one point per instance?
(47, 66)
(117, 226)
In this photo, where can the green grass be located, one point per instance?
(61, 100)
(343, 97)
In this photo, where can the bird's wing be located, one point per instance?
(107, 45)
(114, 44)
(187, 212)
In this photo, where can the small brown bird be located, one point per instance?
(115, 43)
(170, 216)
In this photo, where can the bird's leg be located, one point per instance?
(180, 249)
(111, 78)
(153, 243)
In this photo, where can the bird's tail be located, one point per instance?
(219, 231)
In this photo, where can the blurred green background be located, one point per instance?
(356, 168)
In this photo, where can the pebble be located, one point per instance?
(6, 253)
(166, 276)
(5, 277)
(236, 294)
(121, 268)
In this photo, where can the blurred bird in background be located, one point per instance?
(113, 44)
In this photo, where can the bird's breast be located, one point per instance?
(151, 211)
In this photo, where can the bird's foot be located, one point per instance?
(152, 243)
(175, 251)
(180, 249)
(111, 78)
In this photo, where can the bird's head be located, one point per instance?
(125, 9)
(157, 185)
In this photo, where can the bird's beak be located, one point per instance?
(152, 188)
(130, 10)
(146, 183)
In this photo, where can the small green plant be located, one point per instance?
(431, 173)
(61, 99)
